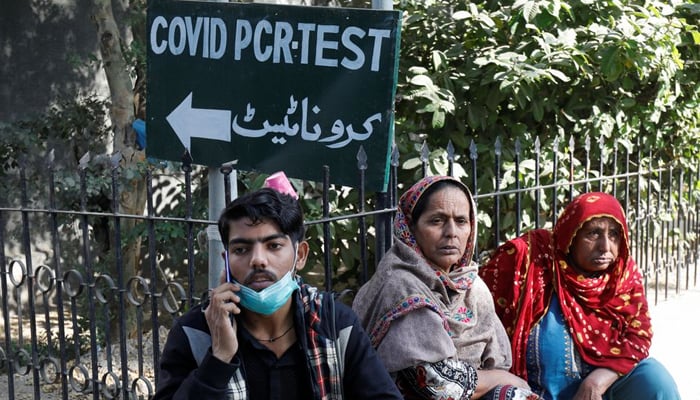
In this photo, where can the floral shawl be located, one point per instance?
(607, 315)
(415, 313)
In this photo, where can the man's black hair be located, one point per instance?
(265, 204)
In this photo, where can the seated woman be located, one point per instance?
(427, 312)
(573, 304)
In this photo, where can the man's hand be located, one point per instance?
(223, 304)
(596, 384)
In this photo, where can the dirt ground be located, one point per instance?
(24, 384)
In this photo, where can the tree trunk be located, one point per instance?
(132, 196)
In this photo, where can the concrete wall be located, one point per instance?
(38, 40)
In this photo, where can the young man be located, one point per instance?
(264, 334)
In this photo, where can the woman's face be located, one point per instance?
(442, 231)
(596, 245)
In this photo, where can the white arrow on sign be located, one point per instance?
(188, 123)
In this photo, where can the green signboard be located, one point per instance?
(273, 87)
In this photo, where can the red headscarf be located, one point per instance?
(607, 315)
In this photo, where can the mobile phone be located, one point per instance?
(229, 279)
(227, 267)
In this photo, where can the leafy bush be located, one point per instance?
(566, 73)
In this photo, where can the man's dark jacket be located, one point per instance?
(188, 370)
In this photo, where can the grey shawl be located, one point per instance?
(412, 317)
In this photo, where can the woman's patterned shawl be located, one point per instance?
(415, 313)
(607, 315)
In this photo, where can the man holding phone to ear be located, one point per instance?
(263, 333)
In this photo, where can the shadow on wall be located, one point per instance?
(45, 49)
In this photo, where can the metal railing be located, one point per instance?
(76, 326)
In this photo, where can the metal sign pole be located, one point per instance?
(217, 204)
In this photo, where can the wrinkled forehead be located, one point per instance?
(411, 197)
(601, 222)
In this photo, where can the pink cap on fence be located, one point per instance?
(280, 183)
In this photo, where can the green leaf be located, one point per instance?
(484, 219)
(438, 119)
(537, 110)
(558, 74)
(438, 59)
(418, 70)
(460, 15)
(610, 64)
(530, 11)
(696, 37)
(473, 117)
(421, 80)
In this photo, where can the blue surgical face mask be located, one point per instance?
(270, 299)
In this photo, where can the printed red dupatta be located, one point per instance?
(607, 315)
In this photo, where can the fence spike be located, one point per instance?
(450, 151)
(115, 160)
(361, 159)
(603, 157)
(472, 151)
(424, 152)
(50, 158)
(498, 146)
(395, 157)
(537, 145)
(587, 144)
(186, 161)
(571, 144)
(84, 160)
(518, 146)
(22, 161)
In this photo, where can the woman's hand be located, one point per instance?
(596, 384)
(490, 378)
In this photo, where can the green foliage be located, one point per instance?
(72, 126)
(588, 71)
(67, 131)
(543, 66)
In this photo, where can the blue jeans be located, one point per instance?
(649, 380)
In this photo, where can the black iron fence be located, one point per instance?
(81, 319)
